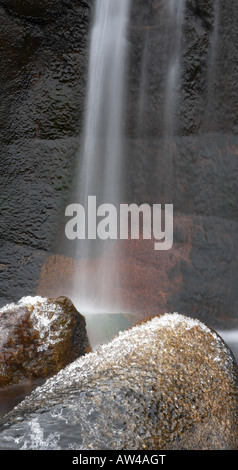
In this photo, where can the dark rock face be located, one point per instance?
(39, 337)
(43, 80)
(199, 174)
(167, 383)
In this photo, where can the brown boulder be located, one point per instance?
(168, 383)
(38, 337)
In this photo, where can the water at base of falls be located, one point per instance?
(14, 394)
(231, 339)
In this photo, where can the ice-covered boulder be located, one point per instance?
(38, 337)
(168, 383)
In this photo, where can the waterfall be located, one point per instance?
(175, 18)
(97, 279)
(175, 22)
(143, 92)
(212, 67)
(215, 35)
(101, 158)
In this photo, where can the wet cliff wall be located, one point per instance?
(199, 175)
(44, 52)
(43, 77)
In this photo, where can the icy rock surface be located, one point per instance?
(38, 337)
(167, 383)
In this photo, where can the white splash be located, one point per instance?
(27, 301)
(37, 440)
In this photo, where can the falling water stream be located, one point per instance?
(101, 157)
(176, 10)
(212, 66)
(102, 154)
(175, 23)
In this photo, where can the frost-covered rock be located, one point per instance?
(38, 337)
(168, 383)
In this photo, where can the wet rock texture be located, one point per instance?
(166, 383)
(198, 173)
(38, 337)
(43, 82)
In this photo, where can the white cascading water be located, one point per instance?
(175, 22)
(102, 152)
(143, 89)
(176, 10)
(101, 158)
(212, 67)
